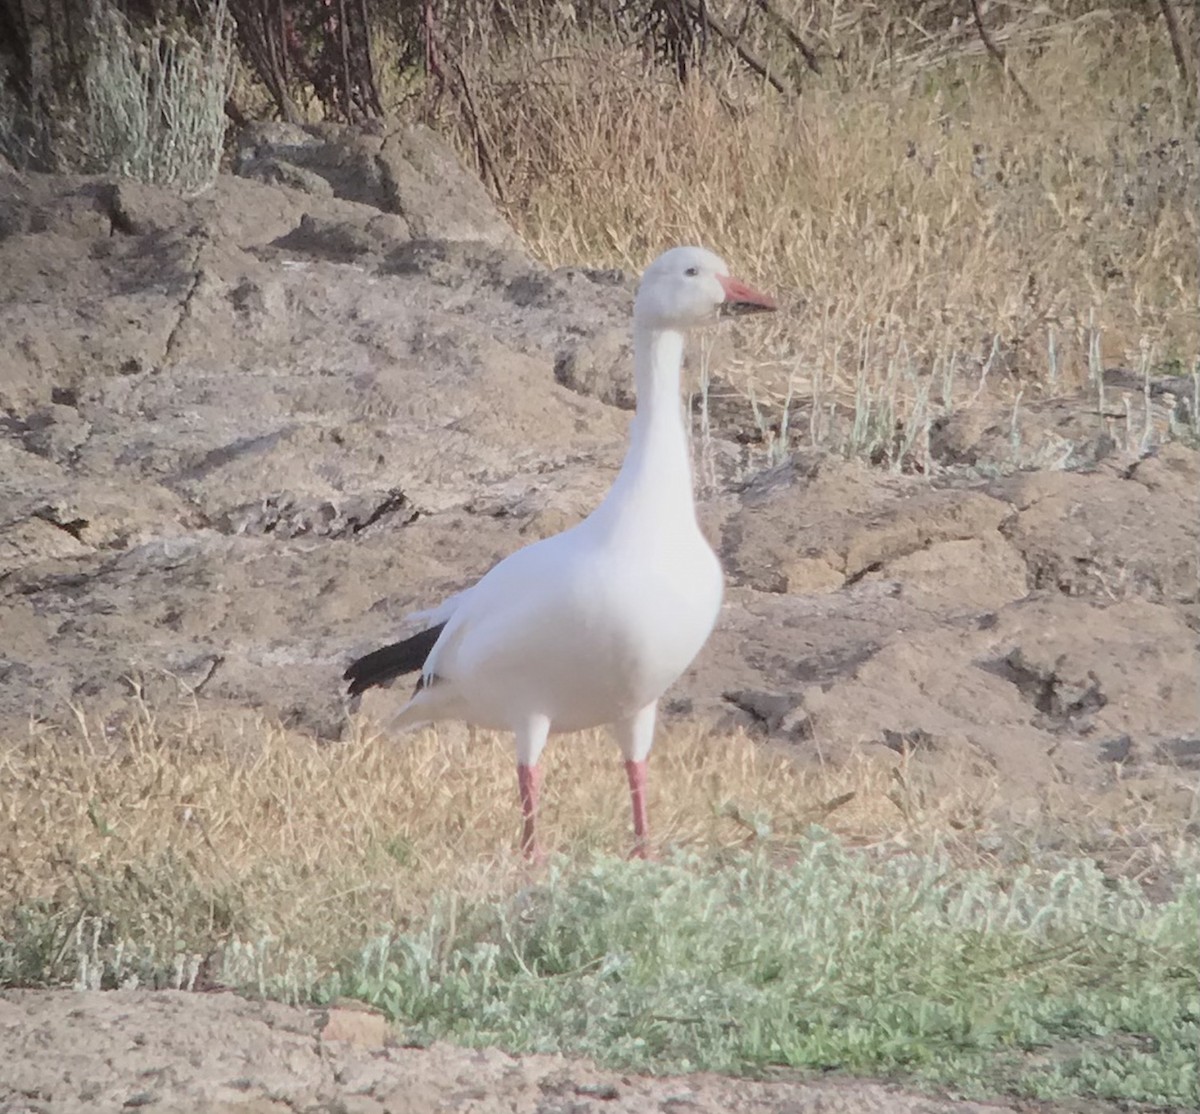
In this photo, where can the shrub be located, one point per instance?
(145, 103)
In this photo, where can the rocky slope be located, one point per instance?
(241, 435)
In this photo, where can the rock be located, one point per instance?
(600, 370)
(422, 180)
(136, 209)
(360, 1027)
(342, 241)
(412, 174)
(260, 135)
(1110, 533)
(55, 431)
(275, 171)
(838, 524)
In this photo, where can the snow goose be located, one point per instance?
(590, 626)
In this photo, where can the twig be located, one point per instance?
(433, 66)
(217, 661)
(810, 55)
(717, 25)
(342, 30)
(997, 52)
(374, 104)
(462, 91)
(1176, 34)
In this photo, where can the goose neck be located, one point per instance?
(657, 365)
(656, 477)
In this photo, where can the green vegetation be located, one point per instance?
(1047, 984)
(155, 102)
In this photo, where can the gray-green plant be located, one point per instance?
(148, 102)
(1046, 984)
(154, 100)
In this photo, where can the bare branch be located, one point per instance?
(462, 93)
(790, 33)
(717, 26)
(997, 52)
(1177, 45)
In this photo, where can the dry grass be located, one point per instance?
(190, 834)
(924, 226)
(227, 826)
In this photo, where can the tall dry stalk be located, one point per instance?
(911, 202)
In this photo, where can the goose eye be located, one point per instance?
(692, 272)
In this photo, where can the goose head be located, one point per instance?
(686, 287)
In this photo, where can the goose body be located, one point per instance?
(590, 626)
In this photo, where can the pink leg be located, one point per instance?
(636, 772)
(529, 780)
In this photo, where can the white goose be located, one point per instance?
(592, 625)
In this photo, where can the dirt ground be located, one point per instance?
(219, 1054)
(242, 435)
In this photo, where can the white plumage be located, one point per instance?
(590, 626)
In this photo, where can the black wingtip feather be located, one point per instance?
(389, 662)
